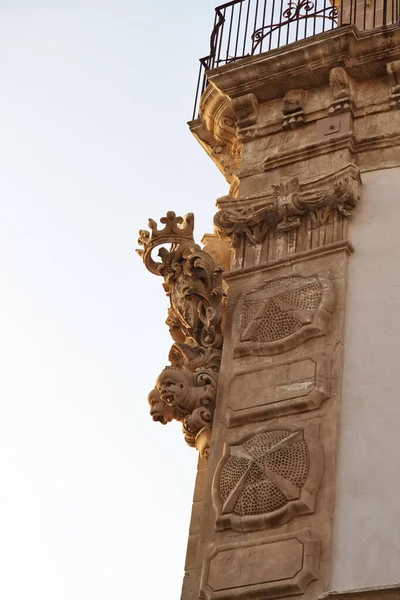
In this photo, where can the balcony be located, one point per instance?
(244, 28)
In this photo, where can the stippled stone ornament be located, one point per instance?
(267, 478)
(281, 314)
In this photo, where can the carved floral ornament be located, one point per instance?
(283, 207)
(185, 391)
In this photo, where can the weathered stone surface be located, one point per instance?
(295, 131)
(282, 388)
(269, 568)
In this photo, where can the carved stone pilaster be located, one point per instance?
(291, 217)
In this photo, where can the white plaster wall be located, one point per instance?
(366, 543)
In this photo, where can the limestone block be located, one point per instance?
(268, 568)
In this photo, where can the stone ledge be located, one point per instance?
(306, 64)
(384, 592)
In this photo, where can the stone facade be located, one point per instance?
(298, 133)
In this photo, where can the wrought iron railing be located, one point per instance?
(247, 27)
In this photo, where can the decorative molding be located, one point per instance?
(291, 217)
(186, 390)
(271, 74)
(293, 108)
(393, 69)
(363, 56)
(215, 129)
(266, 568)
(281, 314)
(278, 389)
(337, 247)
(340, 90)
(268, 477)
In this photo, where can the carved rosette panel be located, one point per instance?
(283, 313)
(267, 478)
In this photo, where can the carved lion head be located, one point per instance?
(159, 410)
(173, 386)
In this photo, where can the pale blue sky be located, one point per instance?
(94, 98)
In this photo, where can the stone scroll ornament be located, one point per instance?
(185, 391)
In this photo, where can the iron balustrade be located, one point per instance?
(247, 27)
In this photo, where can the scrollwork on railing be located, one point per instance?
(296, 11)
(241, 26)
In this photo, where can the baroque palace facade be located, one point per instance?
(284, 368)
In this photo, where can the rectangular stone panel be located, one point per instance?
(277, 390)
(268, 568)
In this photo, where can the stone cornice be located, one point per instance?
(339, 67)
(306, 64)
(309, 186)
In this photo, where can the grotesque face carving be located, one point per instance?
(173, 387)
(159, 410)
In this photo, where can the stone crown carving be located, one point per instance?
(185, 391)
(192, 280)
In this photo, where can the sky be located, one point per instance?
(95, 498)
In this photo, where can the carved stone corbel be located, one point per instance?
(293, 109)
(215, 129)
(191, 398)
(393, 69)
(185, 391)
(246, 110)
(340, 90)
